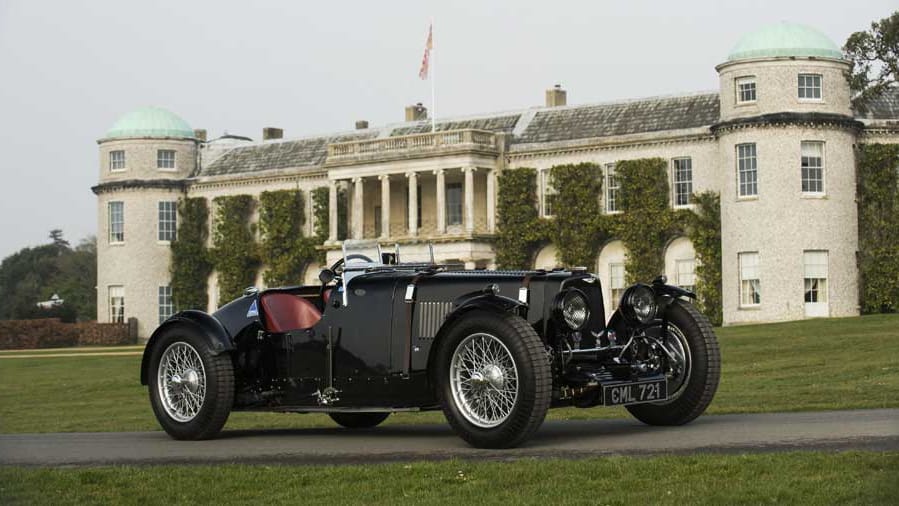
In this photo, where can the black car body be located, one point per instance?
(493, 349)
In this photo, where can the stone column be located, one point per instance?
(358, 215)
(468, 190)
(332, 211)
(413, 203)
(385, 205)
(491, 201)
(441, 201)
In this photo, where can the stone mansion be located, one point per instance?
(776, 141)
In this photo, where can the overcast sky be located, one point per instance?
(69, 69)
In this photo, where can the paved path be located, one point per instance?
(861, 429)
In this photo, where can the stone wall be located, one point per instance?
(52, 333)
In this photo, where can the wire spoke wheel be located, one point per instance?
(691, 362)
(181, 381)
(484, 380)
(680, 362)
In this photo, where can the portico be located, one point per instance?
(435, 187)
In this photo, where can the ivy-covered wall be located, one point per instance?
(578, 235)
(878, 226)
(704, 231)
(647, 221)
(284, 249)
(191, 264)
(519, 229)
(579, 227)
(234, 250)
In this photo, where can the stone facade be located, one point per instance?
(408, 185)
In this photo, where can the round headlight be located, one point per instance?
(639, 304)
(575, 309)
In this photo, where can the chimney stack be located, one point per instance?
(200, 134)
(272, 133)
(361, 124)
(416, 112)
(556, 96)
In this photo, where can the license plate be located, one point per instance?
(634, 393)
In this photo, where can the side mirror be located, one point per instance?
(326, 276)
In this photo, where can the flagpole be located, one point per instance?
(433, 82)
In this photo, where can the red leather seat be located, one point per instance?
(283, 312)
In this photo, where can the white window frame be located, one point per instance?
(547, 191)
(746, 80)
(685, 278)
(802, 168)
(815, 271)
(752, 161)
(166, 221)
(160, 160)
(116, 303)
(688, 183)
(111, 216)
(800, 86)
(165, 303)
(749, 270)
(610, 176)
(617, 283)
(114, 163)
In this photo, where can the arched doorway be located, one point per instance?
(610, 269)
(680, 263)
(547, 258)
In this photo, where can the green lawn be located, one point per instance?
(808, 365)
(791, 478)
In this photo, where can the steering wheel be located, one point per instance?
(335, 272)
(339, 265)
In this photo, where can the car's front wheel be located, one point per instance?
(493, 378)
(191, 389)
(693, 373)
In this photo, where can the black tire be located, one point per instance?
(219, 383)
(534, 379)
(705, 371)
(358, 420)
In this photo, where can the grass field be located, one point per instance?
(791, 478)
(808, 365)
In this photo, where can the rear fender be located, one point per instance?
(207, 326)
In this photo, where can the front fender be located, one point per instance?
(482, 299)
(207, 326)
(487, 300)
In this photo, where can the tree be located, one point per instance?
(875, 60)
(56, 236)
(34, 274)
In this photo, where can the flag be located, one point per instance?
(423, 73)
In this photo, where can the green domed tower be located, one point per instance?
(786, 135)
(145, 158)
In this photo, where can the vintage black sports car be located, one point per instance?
(493, 349)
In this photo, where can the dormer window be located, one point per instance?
(745, 89)
(809, 86)
(116, 161)
(165, 159)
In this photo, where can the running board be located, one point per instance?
(336, 409)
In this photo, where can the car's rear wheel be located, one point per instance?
(694, 373)
(493, 379)
(191, 389)
(358, 420)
